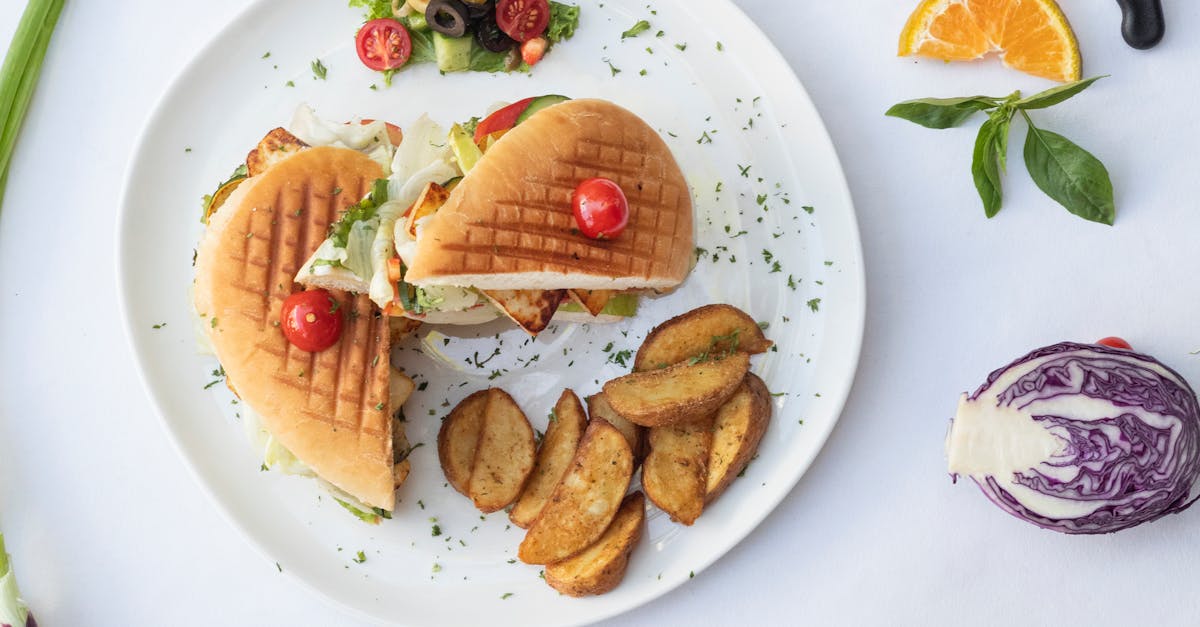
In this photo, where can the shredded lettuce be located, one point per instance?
(13, 610)
(371, 139)
(424, 157)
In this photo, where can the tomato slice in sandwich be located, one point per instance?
(501, 120)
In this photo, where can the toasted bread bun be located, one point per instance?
(330, 409)
(509, 224)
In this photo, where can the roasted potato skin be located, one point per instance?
(696, 332)
(675, 472)
(585, 501)
(504, 454)
(600, 409)
(737, 430)
(554, 457)
(678, 393)
(458, 439)
(601, 567)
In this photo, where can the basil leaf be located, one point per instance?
(985, 167)
(941, 112)
(1069, 174)
(1055, 95)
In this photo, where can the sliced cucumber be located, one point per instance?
(417, 21)
(452, 183)
(538, 104)
(453, 53)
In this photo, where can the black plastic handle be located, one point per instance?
(1142, 23)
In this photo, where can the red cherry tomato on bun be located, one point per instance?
(383, 44)
(311, 320)
(600, 208)
(523, 19)
(1114, 342)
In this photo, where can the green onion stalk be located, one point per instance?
(19, 74)
(13, 611)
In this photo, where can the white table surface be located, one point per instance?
(107, 527)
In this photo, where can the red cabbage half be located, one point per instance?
(1081, 438)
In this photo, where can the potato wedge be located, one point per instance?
(530, 309)
(678, 393)
(504, 455)
(585, 501)
(458, 438)
(271, 149)
(598, 408)
(567, 424)
(737, 430)
(709, 330)
(601, 566)
(675, 472)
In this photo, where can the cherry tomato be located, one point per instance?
(501, 120)
(383, 44)
(600, 208)
(311, 320)
(1114, 342)
(523, 19)
(533, 50)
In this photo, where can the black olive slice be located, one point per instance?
(489, 35)
(448, 17)
(478, 10)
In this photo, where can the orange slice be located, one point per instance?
(1032, 36)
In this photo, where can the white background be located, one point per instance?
(107, 527)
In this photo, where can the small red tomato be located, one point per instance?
(600, 208)
(311, 320)
(383, 44)
(1114, 342)
(533, 50)
(523, 19)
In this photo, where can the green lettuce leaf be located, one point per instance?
(564, 19)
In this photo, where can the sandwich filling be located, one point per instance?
(373, 245)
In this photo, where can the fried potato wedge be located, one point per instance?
(567, 424)
(592, 300)
(601, 566)
(675, 472)
(585, 501)
(459, 437)
(679, 393)
(431, 199)
(710, 330)
(530, 309)
(598, 408)
(273, 148)
(738, 428)
(504, 455)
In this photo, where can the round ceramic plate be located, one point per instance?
(776, 236)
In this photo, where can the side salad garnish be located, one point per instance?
(1081, 438)
(1066, 172)
(461, 35)
(13, 611)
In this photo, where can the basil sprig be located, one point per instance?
(1067, 173)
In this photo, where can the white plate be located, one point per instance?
(229, 96)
